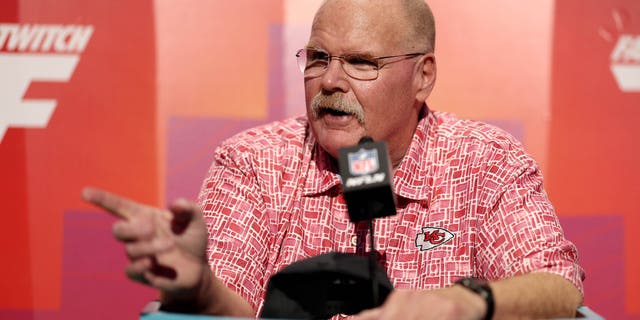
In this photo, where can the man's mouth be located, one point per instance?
(336, 108)
(334, 112)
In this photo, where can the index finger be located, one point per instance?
(117, 205)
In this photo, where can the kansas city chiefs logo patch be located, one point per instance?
(432, 237)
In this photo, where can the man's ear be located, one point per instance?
(427, 76)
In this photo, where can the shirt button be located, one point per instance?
(354, 240)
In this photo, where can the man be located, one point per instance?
(273, 197)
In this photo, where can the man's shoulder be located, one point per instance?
(466, 131)
(458, 137)
(287, 133)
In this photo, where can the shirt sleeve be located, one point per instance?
(237, 221)
(521, 232)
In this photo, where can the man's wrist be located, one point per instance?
(482, 289)
(196, 300)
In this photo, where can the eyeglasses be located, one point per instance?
(314, 62)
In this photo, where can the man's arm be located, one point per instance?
(239, 228)
(534, 269)
(535, 295)
(530, 296)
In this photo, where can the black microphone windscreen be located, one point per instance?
(367, 180)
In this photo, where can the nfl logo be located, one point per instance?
(363, 162)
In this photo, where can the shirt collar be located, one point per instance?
(322, 173)
(412, 178)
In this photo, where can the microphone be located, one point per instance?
(365, 171)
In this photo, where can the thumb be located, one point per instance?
(184, 212)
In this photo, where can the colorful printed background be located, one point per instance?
(138, 101)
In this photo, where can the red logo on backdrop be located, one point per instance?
(432, 237)
(35, 52)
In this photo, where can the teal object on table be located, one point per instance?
(583, 312)
(160, 315)
(178, 316)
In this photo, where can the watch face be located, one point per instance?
(472, 283)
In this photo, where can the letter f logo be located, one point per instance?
(17, 71)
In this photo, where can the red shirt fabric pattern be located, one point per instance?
(470, 202)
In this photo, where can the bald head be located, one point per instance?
(410, 22)
(420, 22)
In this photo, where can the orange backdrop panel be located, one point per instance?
(494, 62)
(212, 56)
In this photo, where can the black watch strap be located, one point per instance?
(483, 290)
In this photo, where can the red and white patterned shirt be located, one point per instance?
(272, 197)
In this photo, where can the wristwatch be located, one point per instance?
(481, 288)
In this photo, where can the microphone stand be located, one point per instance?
(372, 262)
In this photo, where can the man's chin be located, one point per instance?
(333, 141)
(333, 134)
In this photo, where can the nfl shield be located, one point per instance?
(363, 162)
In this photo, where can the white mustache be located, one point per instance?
(336, 101)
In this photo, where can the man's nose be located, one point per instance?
(335, 78)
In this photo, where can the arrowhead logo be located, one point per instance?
(432, 237)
